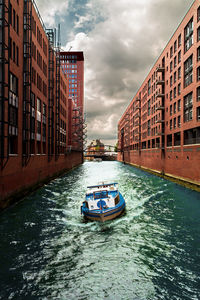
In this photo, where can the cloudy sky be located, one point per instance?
(121, 40)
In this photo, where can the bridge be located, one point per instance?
(109, 153)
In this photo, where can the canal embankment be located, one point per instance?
(18, 181)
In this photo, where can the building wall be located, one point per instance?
(34, 130)
(160, 129)
(73, 67)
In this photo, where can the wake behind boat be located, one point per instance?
(103, 202)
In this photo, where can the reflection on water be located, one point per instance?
(151, 252)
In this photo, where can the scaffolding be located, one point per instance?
(4, 82)
(127, 131)
(57, 139)
(138, 116)
(50, 35)
(27, 65)
(79, 130)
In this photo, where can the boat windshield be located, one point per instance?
(100, 194)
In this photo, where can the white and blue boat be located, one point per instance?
(103, 202)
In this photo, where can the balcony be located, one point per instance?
(137, 116)
(160, 121)
(160, 108)
(160, 69)
(160, 95)
(159, 133)
(137, 108)
(160, 82)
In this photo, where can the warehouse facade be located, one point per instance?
(34, 104)
(160, 129)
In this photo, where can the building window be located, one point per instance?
(175, 92)
(192, 136)
(14, 51)
(188, 71)
(175, 108)
(17, 24)
(171, 67)
(17, 56)
(149, 107)
(175, 62)
(177, 139)
(179, 40)
(188, 107)
(171, 79)
(198, 93)
(198, 114)
(169, 139)
(188, 31)
(149, 128)
(44, 109)
(198, 34)
(179, 89)
(174, 123)
(32, 100)
(149, 87)
(38, 105)
(13, 144)
(10, 14)
(175, 46)
(170, 126)
(13, 114)
(170, 95)
(14, 84)
(174, 77)
(179, 72)
(170, 110)
(179, 105)
(198, 53)
(171, 51)
(198, 73)
(198, 14)
(179, 121)
(14, 18)
(179, 56)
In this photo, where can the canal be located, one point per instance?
(152, 252)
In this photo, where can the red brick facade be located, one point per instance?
(73, 67)
(34, 110)
(160, 129)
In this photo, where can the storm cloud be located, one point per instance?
(121, 40)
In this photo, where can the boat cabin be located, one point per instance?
(102, 196)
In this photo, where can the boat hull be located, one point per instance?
(105, 215)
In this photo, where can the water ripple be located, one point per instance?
(152, 252)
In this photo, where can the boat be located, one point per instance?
(103, 202)
(98, 159)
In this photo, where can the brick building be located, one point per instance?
(35, 114)
(96, 147)
(73, 67)
(160, 129)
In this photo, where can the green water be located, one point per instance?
(152, 252)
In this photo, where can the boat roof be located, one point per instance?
(101, 185)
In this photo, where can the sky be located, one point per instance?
(121, 40)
